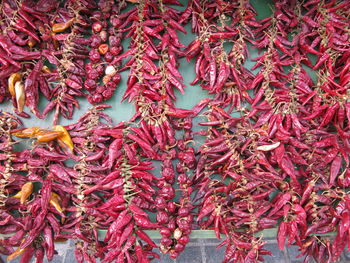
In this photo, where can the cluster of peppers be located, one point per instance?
(80, 178)
(276, 142)
(282, 157)
(44, 51)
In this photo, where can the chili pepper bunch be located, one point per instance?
(45, 200)
(30, 217)
(153, 27)
(285, 159)
(57, 50)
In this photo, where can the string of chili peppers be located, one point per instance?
(45, 54)
(184, 210)
(8, 122)
(86, 174)
(34, 213)
(130, 194)
(98, 69)
(152, 89)
(17, 39)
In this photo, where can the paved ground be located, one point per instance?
(198, 251)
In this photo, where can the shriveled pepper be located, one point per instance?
(31, 42)
(27, 133)
(55, 202)
(103, 49)
(46, 69)
(26, 191)
(60, 27)
(20, 95)
(47, 136)
(15, 77)
(64, 139)
(19, 251)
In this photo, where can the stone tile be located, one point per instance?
(56, 258)
(16, 260)
(62, 247)
(213, 255)
(293, 252)
(163, 257)
(194, 241)
(277, 255)
(70, 257)
(156, 240)
(212, 241)
(72, 243)
(270, 240)
(190, 255)
(346, 255)
(342, 259)
(3, 259)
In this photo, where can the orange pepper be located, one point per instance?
(18, 195)
(27, 133)
(31, 42)
(60, 27)
(26, 191)
(15, 254)
(103, 49)
(47, 136)
(12, 81)
(46, 69)
(64, 139)
(55, 202)
(20, 95)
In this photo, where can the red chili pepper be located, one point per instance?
(335, 168)
(123, 219)
(205, 211)
(193, 49)
(144, 222)
(143, 236)
(282, 234)
(136, 210)
(282, 200)
(224, 72)
(128, 230)
(222, 35)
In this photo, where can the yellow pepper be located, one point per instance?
(12, 81)
(60, 27)
(65, 138)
